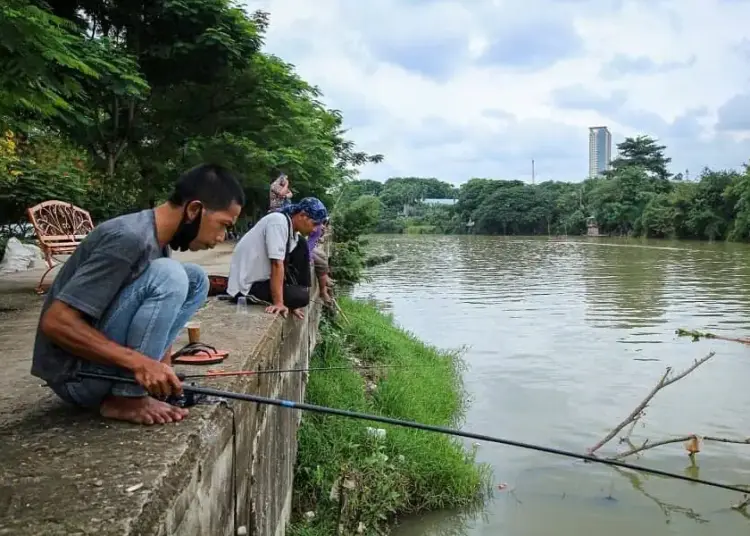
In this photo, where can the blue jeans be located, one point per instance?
(147, 316)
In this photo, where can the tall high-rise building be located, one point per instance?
(600, 150)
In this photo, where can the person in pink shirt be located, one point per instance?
(280, 194)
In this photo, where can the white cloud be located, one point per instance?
(484, 113)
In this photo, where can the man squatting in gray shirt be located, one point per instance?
(120, 301)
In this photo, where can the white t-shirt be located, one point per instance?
(251, 259)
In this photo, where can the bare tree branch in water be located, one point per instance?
(647, 445)
(638, 412)
(697, 335)
(668, 509)
(692, 445)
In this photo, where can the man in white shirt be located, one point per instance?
(271, 263)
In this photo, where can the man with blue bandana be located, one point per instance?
(271, 263)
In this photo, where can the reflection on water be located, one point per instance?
(564, 339)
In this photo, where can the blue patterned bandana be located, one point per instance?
(312, 206)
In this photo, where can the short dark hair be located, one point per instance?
(211, 184)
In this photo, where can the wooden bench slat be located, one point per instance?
(72, 247)
(56, 243)
(69, 240)
(78, 237)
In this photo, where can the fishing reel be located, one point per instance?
(187, 399)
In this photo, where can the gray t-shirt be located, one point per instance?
(251, 259)
(113, 255)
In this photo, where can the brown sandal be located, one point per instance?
(198, 353)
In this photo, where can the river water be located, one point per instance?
(564, 338)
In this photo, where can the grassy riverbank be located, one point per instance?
(357, 478)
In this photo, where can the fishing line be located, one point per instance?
(365, 321)
(224, 373)
(289, 404)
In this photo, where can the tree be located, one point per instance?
(38, 168)
(711, 212)
(353, 190)
(472, 193)
(636, 198)
(165, 85)
(171, 44)
(264, 120)
(643, 152)
(186, 81)
(45, 63)
(658, 217)
(516, 209)
(348, 258)
(400, 191)
(738, 194)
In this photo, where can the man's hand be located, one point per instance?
(66, 327)
(325, 296)
(299, 313)
(277, 309)
(157, 378)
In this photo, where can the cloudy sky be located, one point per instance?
(456, 89)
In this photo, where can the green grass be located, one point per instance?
(408, 470)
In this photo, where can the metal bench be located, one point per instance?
(60, 227)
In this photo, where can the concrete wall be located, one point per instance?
(265, 447)
(68, 472)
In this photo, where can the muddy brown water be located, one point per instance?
(564, 339)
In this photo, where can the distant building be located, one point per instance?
(592, 228)
(600, 150)
(436, 201)
(410, 209)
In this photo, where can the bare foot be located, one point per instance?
(146, 410)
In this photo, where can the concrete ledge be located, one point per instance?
(63, 472)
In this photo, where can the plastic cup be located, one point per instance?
(194, 332)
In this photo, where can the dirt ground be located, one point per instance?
(19, 315)
(64, 471)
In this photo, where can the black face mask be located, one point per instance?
(186, 232)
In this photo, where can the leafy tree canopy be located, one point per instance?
(637, 197)
(136, 91)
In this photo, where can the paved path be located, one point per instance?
(19, 314)
(64, 472)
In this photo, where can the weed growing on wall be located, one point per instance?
(356, 476)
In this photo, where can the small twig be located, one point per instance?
(648, 445)
(636, 413)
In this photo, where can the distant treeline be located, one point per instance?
(637, 197)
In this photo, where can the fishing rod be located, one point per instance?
(289, 404)
(224, 373)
